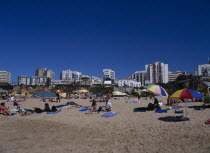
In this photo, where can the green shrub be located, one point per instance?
(207, 100)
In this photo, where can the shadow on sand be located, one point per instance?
(140, 109)
(173, 119)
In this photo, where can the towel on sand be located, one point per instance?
(109, 114)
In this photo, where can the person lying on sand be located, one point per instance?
(24, 112)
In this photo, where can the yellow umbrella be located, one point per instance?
(83, 91)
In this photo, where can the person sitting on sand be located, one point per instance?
(160, 104)
(4, 109)
(155, 102)
(47, 108)
(108, 106)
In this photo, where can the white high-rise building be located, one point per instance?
(157, 73)
(108, 73)
(70, 75)
(49, 74)
(139, 76)
(24, 80)
(5, 77)
(43, 72)
(203, 70)
(40, 72)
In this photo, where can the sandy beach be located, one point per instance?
(73, 131)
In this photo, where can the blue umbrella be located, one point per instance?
(45, 94)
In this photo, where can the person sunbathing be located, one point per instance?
(4, 109)
(24, 112)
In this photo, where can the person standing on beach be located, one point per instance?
(58, 95)
(94, 104)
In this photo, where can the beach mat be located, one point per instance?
(84, 109)
(52, 112)
(161, 111)
(59, 110)
(134, 101)
(109, 114)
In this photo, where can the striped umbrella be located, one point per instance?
(157, 90)
(186, 94)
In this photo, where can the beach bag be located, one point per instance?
(54, 109)
(99, 109)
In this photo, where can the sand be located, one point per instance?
(128, 132)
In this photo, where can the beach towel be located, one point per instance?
(134, 101)
(109, 114)
(30, 111)
(161, 111)
(14, 110)
(176, 107)
(208, 121)
(52, 112)
(55, 112)
(59, 106)
(66, 106)
(84, 109)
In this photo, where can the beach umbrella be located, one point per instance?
(157, 90)
(45, 94)
(186, 94)
(83, 91)
(118, 93)
(144, 90)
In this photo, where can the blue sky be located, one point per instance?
(88, 36)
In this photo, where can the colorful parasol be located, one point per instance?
(157, 90)
(186, 94)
